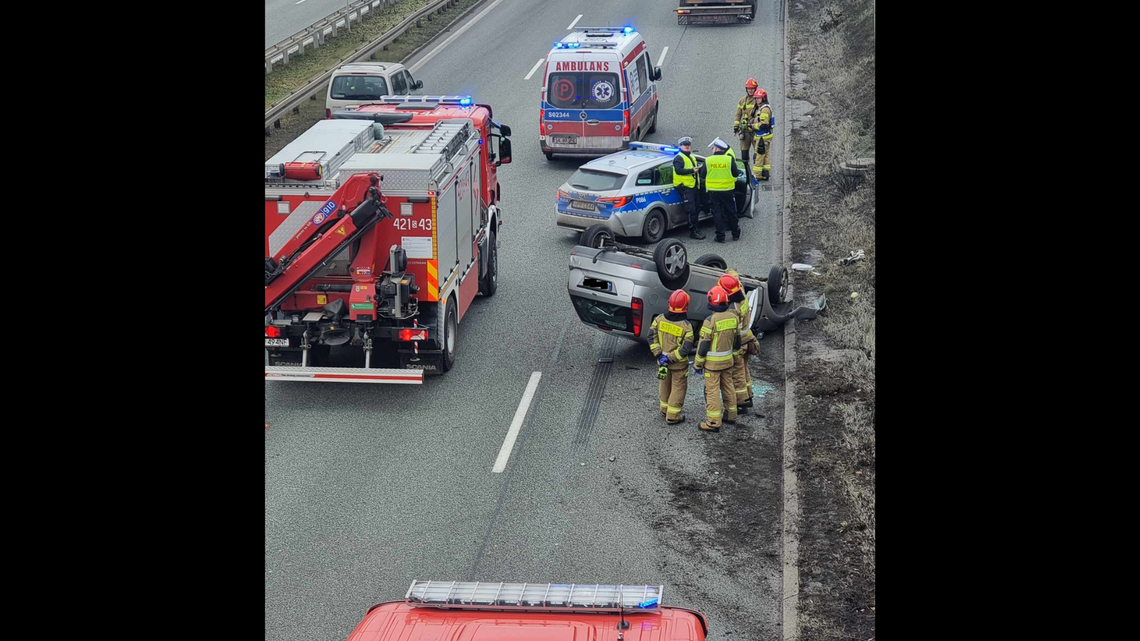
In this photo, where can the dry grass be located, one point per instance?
(832, 215)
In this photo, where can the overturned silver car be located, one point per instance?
(620, 288)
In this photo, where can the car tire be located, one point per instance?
(450, 326)
(777, 285)
(653, 128)
(595, 235)
(672, 262)
(490, 285)
(711, 260)
(653, 229)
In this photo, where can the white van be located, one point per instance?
(360, 83)
(599, 92)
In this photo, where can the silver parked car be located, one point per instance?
(631, 193)
(620, 288)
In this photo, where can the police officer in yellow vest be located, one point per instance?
(672, 344)
(762, 163)
(745, 113)
(720, 337)
(686, 180)
(721, 185)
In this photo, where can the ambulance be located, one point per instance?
(599, 92)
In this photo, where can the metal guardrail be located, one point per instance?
(315, 34)
(290, 102)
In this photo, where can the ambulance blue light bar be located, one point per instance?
(443, 100)
(534, 597)
(649, 146)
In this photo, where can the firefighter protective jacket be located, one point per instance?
(674, 338)
(745, 111)
(720, 338)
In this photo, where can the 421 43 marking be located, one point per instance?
(405, 224)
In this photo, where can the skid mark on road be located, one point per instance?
(594, 393)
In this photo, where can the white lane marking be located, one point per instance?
(536, 66)
(513, 432)
(662, 58)
(298, 2)
(575, 22)
(414, 68)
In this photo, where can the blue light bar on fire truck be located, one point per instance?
(462, 101)
(651, 146)
(534, 597)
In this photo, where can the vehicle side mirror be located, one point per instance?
(505, 130)
(504, 152)
(420, 84)
(657, 73)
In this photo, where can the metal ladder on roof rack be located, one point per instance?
(445, 138)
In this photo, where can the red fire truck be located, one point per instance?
(493, 611)
(381, 226)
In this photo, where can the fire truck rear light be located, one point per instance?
(273, 332)
(413, 334)
(682, 10)
(550, 597)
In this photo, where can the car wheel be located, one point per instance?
(654, 227)
(711, 260)
(597, 236)
(653, 127)
(672, 262)
(450, 331)
(490, 284)
(777, 285)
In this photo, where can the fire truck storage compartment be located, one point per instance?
(329, 142)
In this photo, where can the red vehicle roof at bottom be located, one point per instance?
(398, 621)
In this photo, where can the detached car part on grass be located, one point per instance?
(620, 288)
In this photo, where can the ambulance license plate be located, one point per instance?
(565, 140)
(277, 342)
(583, 205)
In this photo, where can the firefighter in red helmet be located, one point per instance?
(741, 377)
(719, 340)
(745, 114)
(672, 344)
(762, 128)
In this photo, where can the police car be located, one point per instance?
(631, 192)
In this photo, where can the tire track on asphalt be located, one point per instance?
(519, 446)
(601, 376)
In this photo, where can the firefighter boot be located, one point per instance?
(705, 427)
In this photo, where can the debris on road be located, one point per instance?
(802, 267)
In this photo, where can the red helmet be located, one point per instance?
(717, 296)
(751, 84)
(729, 283)
(679, 301)
(761, 94)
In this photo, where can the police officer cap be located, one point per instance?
(684, 141)
(719, 144)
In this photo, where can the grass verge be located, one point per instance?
(310, 111)
(833, 51)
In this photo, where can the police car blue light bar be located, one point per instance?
(650, 146)
(443, 100)
(534, 597)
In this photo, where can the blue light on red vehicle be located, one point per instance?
(465, 101)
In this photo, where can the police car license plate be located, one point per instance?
(565, 140)
(277, 342)
(583, 205)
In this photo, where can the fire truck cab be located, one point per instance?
(381, 227)
(599, 92)
(493, 611)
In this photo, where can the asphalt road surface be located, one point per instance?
(368, 487)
